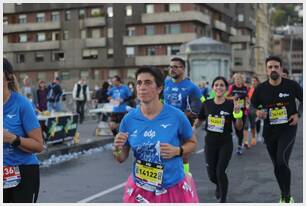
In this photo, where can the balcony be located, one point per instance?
(220, 25)
(31, 46)
(240, 38)
(159, 39)
(233, 31)
(152, 60)
(12, 28)
(94, 21)
(175, 17)
(99, 42)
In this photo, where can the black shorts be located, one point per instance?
(117, 116)
(28, 189)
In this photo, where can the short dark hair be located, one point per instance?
(220, 78)
(274, 58)
(179, 60)
(117, 78)
(156, 73)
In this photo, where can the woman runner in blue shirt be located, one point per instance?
(22, 137)
(155, 132)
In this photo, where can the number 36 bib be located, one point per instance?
(215, 124)
(11, 176)
(278, 115)
(149, 172)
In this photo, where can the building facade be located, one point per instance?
(98, 41)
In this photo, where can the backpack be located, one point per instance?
(51, 94)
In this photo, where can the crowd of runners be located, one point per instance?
(156, 119)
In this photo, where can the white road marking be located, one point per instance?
(199, 151)
(88, 199)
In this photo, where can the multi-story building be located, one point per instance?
(243, 43)
(288, 44)
(98, 41)
(262, 48)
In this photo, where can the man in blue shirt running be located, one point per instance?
(179, 91)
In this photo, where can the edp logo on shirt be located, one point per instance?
(149, 133)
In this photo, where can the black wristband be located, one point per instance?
(16, 142)
(181, 151)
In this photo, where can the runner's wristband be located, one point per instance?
(181, 151)
(238, 115)
(117, 152)
(16, 142)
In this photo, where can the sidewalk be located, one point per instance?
(87, 140)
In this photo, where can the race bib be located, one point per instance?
(215, 124)
(11, 176)
(149, 172)
(278, 116)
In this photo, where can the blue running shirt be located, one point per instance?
(170, 126)
(119, 92)
(18, 118)
(176, 94)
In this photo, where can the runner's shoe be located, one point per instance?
(246, 145)
(239, 150)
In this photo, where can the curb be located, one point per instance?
(64, 149)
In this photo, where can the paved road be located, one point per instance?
(98, 178)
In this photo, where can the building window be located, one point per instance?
(40, 17)
(173, 28)
(22, 19)
(84, 74)
(110, 52)
(39, 57)
(95, 33)
(130, 51)
(65, 75)
(81, 13)
(173, 50)
(110, 33)
(58, 56)
(149, 30)
(55, 16)
(95, 12)
(129, 10)
(66, 35)
(55, 35)
(110, 11)
(23, 38)
(151, 51)
(90, 54)
(41, 76)
(238, 61)
(20, 58)
(174, 7)
(149, 8)
(131, 31)
(240, 17)
(5, 20)
(131, 73)
(113, 72)
(83, 34)
(41, 36)
(67, 15)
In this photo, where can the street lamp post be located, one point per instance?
(188, 52)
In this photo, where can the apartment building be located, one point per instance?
(243, 43)
(97, 41)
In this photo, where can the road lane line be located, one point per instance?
(200, 151)
(88, 199)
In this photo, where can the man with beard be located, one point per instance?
(276, 97)
(182, 93)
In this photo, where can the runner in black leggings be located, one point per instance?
(219, 114)
(277, 97)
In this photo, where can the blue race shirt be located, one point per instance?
(18, 118)
(176, 94)
(170, 126)
(119, 92)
